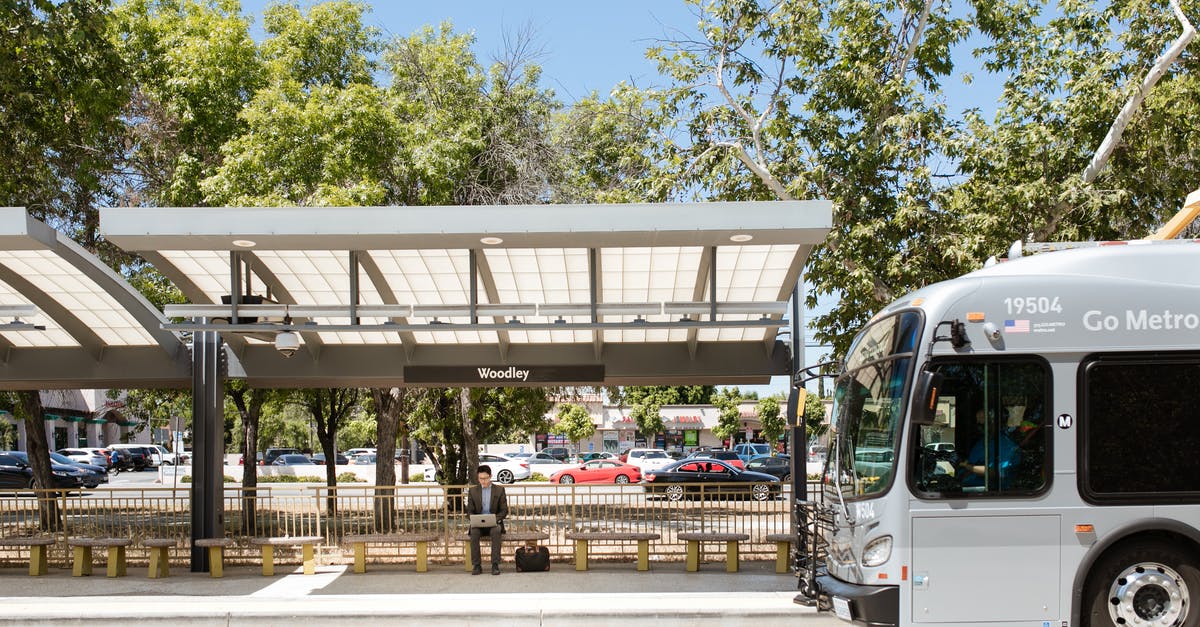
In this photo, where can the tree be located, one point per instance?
(645, 402)
(26, 406)
(815, 424)
(574, 422)
(330, 409)
(249, 403)
(771, 420)
(729, 420)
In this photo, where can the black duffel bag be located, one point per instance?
(533, 558)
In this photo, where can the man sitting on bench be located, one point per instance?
(484, 502)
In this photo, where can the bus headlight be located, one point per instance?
(878, 552)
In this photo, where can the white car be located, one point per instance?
(359, 451)
(504, 469)
(169, 458)
(85, 456)
(648, 458)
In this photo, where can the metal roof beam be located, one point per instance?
(595, 289)
(707, 266)
(407, 340)
(312, 341)
(479, 264)
(191, 291)
(80, 332)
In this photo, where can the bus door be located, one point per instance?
(980, 551)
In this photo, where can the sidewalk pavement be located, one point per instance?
(608, 594)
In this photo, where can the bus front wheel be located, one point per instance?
(1143, 582)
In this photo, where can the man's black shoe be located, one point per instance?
(477, 571)
(495, 570)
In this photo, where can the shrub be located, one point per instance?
(290, 479)
(349, 477)
(537, 476)
(188, 479)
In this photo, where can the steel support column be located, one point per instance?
(208, 442)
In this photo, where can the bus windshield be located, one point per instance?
(868, 404)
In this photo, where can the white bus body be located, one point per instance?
(1054, 479)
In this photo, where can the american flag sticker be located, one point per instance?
(1016, 326)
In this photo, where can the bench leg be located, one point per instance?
(83, 562)
(216, 562)
(116, 561)
(268, 560)
(467, 556)
(37, 561)
(159, 562)
(360, 557)
(782, 553)
(422, 557)
(643, 563)
(310, 562)
(581, 554)
(693, 556)
(731, 556)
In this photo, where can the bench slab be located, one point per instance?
(392, 538)
(268, 551)
(214, 542)
(612, 535)
(30, 541)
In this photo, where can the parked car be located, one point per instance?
(688, 476)
(748, 450)
(561, 453)
(817, 453)
(778, 466)
(85, 456)
(587, 457)
(599, 471)
(728, 457)
(270, 455)
(338, 460)
(258, 459)
(93, 475)
(130, 458)
(169, 458)
(359, 451)
(505, 469)
(363, 459)
(140, 457)
(291, 459)
(541, 458)
(17, 463)
(648, 458)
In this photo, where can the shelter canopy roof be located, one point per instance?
(689, 292)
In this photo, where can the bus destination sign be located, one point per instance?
(502, 375)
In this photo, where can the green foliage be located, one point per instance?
(575, 422)
(771, 418)
(225, 478)
(349, 477)
(290, 479)
(537, 476)
(814, 416)
(729, 417)
(646, 401)
(358, 432)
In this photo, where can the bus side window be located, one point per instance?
(989, 438)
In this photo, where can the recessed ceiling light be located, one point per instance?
(741, 237)
(491, 241)
(244, 243)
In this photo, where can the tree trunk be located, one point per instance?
(388, 405)
(38, 449)
(250, 412)
(470, 438)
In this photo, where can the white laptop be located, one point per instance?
(483, 520)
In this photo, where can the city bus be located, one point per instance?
(1019, 446)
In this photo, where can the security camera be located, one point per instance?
(287, 343)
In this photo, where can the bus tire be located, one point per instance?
(1145, 579)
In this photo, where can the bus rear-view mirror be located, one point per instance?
(929, 386)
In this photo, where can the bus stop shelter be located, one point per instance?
(636, 294)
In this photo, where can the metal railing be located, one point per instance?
(335, 512)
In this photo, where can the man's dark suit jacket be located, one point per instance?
(499, 505)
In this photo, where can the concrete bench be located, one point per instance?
(216, 554)
(694, 538)
(38, 564)
(83, 555)
(511, 536)
(305, 543)
(360, 542)
(160, 555)
(783, 549)
(582, 538)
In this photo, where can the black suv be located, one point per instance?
(16, 473)
(272, 454)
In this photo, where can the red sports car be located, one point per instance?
(599, 471)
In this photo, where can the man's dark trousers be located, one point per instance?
(495, 535)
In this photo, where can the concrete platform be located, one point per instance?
(609, 594)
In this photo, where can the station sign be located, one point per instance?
(482, 375)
